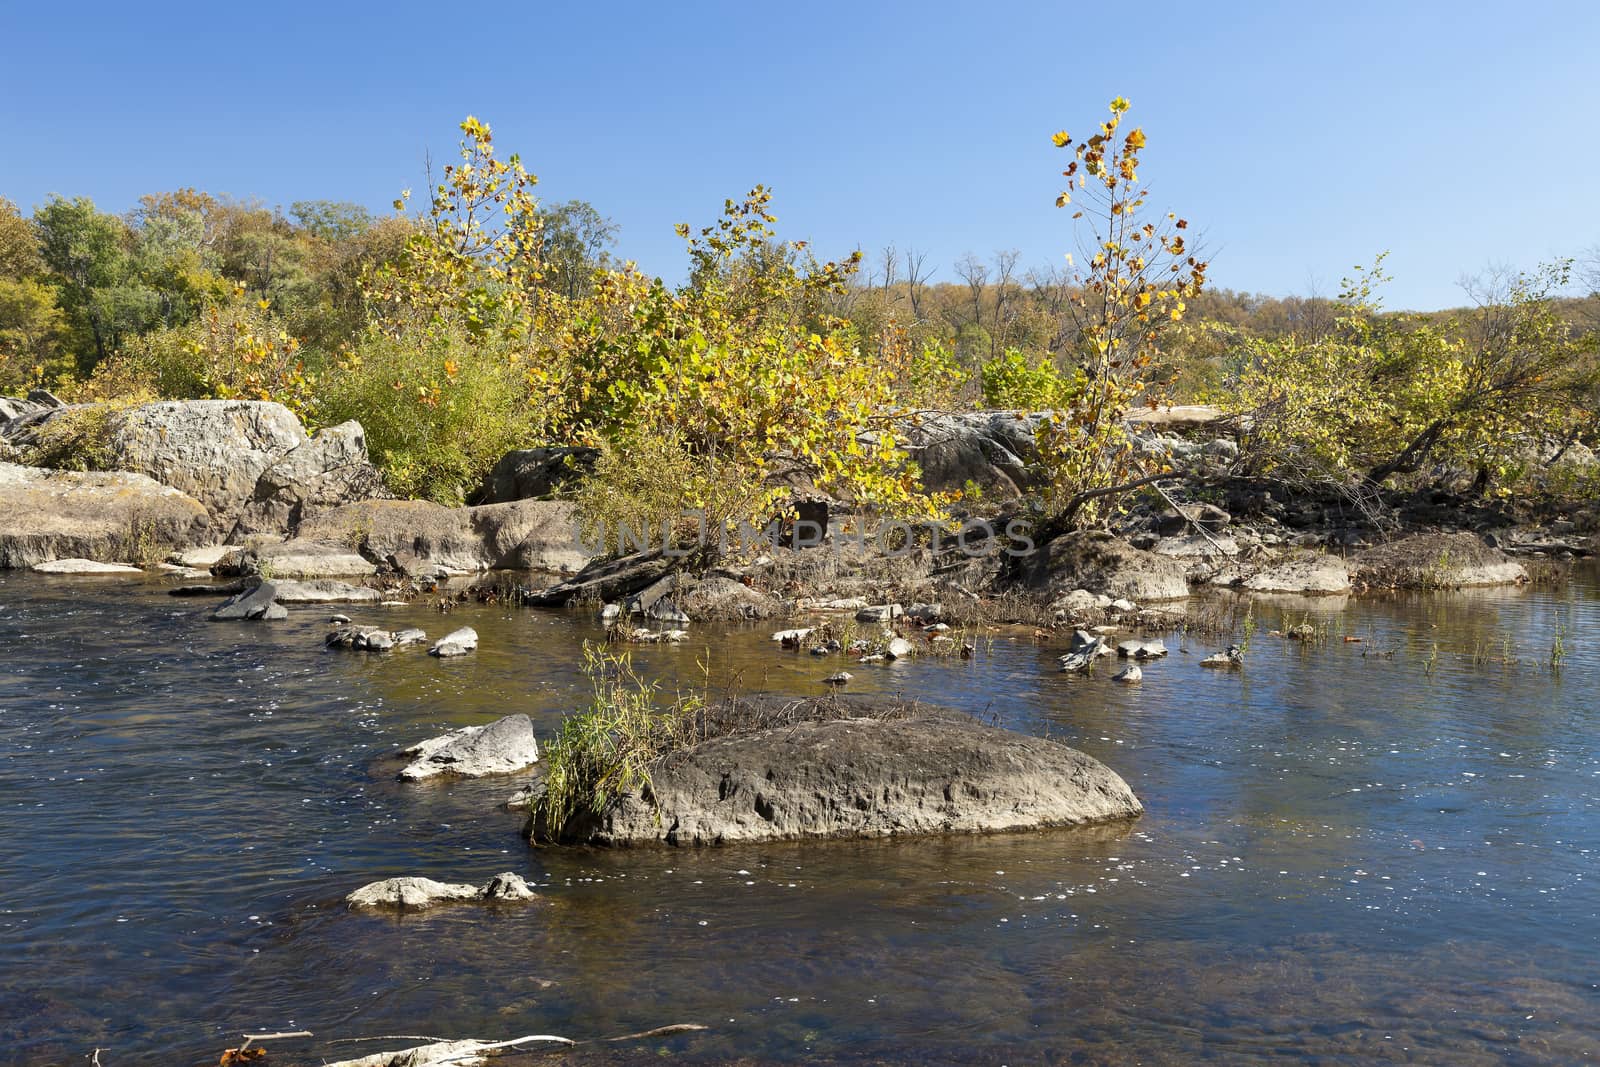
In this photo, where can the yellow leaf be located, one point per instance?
(1061, 140)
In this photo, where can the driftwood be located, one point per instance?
(465, 1052)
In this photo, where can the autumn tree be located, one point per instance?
(1136, 277)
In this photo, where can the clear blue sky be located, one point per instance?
(1300, 139)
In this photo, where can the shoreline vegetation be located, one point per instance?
(476, 399)
(329, 407)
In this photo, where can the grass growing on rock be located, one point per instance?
(610, 748)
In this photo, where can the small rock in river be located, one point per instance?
(456, 643)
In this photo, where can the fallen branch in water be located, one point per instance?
(661, 1031)
(465, 1052)
(273, 1037)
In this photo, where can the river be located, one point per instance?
(1354, 851)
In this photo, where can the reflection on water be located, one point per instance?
(1355, 850)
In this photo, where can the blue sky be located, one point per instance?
(1300, 139)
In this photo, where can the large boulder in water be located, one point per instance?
(46, 514)
(504, 746)
(858, 777)
(1101, 563)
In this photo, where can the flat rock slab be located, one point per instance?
(504, 746)
(202, 557)
(325, 591)
(1308, 573)
(862, 777)
(84, 566)
(313, 559)
(49, 514)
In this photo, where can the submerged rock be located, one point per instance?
(507, 886)
(859, 777)
(1084, 650)
(360, 638)
(1129, 675)
(410, 893)
(1232, 656)
(504, 746)
(1136, 649)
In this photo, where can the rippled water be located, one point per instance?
(1348, 856)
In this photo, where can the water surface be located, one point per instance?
(1365, 851)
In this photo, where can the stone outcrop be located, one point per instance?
(46, 514)
(213, 450)
(327, 471)
(991, 449)
(1101, 563)
(523, 535)
(535, 473)
(249, 463)
(858, 777)
(1436, 561)
(504, 746)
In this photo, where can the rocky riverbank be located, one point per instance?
(240, 490)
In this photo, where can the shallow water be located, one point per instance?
(1348, 856)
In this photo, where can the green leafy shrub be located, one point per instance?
(439, 409)
(1012, 380)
